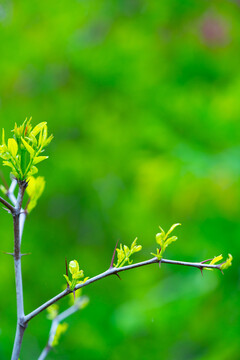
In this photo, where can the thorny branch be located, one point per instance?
(21, 325)
(114, 271)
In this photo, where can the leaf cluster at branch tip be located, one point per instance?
(76, 275)
(22, 152)
(164, 240)
(225, 265)
(124, 253)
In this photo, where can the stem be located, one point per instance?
(12, 198)
(45, 352)
(8, 206)
(11, 189)
(113, 271)
(59, 318)
(18, 341)
(21, 324)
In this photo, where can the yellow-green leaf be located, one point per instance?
(160, 238)
(126, 249)
(32, 171)
(12, 147)
(134, 243)
(68, 281)
(3, 137)
(8, 163)
(78, 275)
(47, 142)
(73, 267)
(28, 147)
(170, 240)
(44, 134)
(171, 229)
(227, 263)
(38, 159)
(38, 128)
(137, 248)
(216, 259)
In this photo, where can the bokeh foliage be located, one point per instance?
(143, 100)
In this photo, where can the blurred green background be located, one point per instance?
(143, 100)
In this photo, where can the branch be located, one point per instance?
(12, 198)
(10, 192)
(17, 220)
(79, 304)
(8, 206)
(114, 271)
(22, 188)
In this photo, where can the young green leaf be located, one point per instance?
(227, 263)
(28, 147)
(38, 159)
(38, 128)
(12, 147)
(163, 240)
(124, 253)
(214, 261)
(24, 149)
(76, 275)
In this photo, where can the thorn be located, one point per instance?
(66, 264)
(7, 210)
(204, 261)
(74, 295)
(159, 263)
(26, 254)
(201, 271)
(118, 276)
(114, 252)
(222, 271)
(7, 253)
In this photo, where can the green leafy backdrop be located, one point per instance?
(143, 100)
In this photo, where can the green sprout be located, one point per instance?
(225, 265)
(22, 152)
(76, 275)
(124, 253)
(163, 240)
